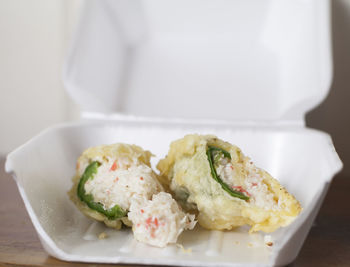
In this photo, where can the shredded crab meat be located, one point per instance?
(253, 185)
(159, 221)
(117, 181)
(156, 217)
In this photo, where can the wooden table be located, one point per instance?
(328, 243)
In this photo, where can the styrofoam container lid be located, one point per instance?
(215, 64)
(234, 60)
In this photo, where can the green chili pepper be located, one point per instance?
(113, 213)
(214, 154)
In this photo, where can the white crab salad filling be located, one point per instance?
(118, 180)
(253, 186)
(159, 221)
(156, 217)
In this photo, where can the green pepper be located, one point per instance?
(113, 213)
(214, 154)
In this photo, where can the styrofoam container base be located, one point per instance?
(303, 160)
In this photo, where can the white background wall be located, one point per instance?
(33, 40)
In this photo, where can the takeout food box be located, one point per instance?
(149, 72)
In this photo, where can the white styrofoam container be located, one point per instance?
(258, 65)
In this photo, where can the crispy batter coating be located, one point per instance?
(186, 171)
(102, 154)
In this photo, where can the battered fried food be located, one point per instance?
(215, 179)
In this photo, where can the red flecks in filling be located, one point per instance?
(254, 184)
(152, 233)
(241, 189)
(148, 221)
(116, 179)
(114, 166)
(153, 224)
(141, 178)
(142, 211)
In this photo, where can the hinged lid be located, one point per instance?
(212, 59)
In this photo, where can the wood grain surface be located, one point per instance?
(328, 243)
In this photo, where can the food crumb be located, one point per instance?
(102, 235)
(237, 242)
(268, 240)
(187, 251)
(250, 245)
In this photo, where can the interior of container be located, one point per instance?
(299, 159)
